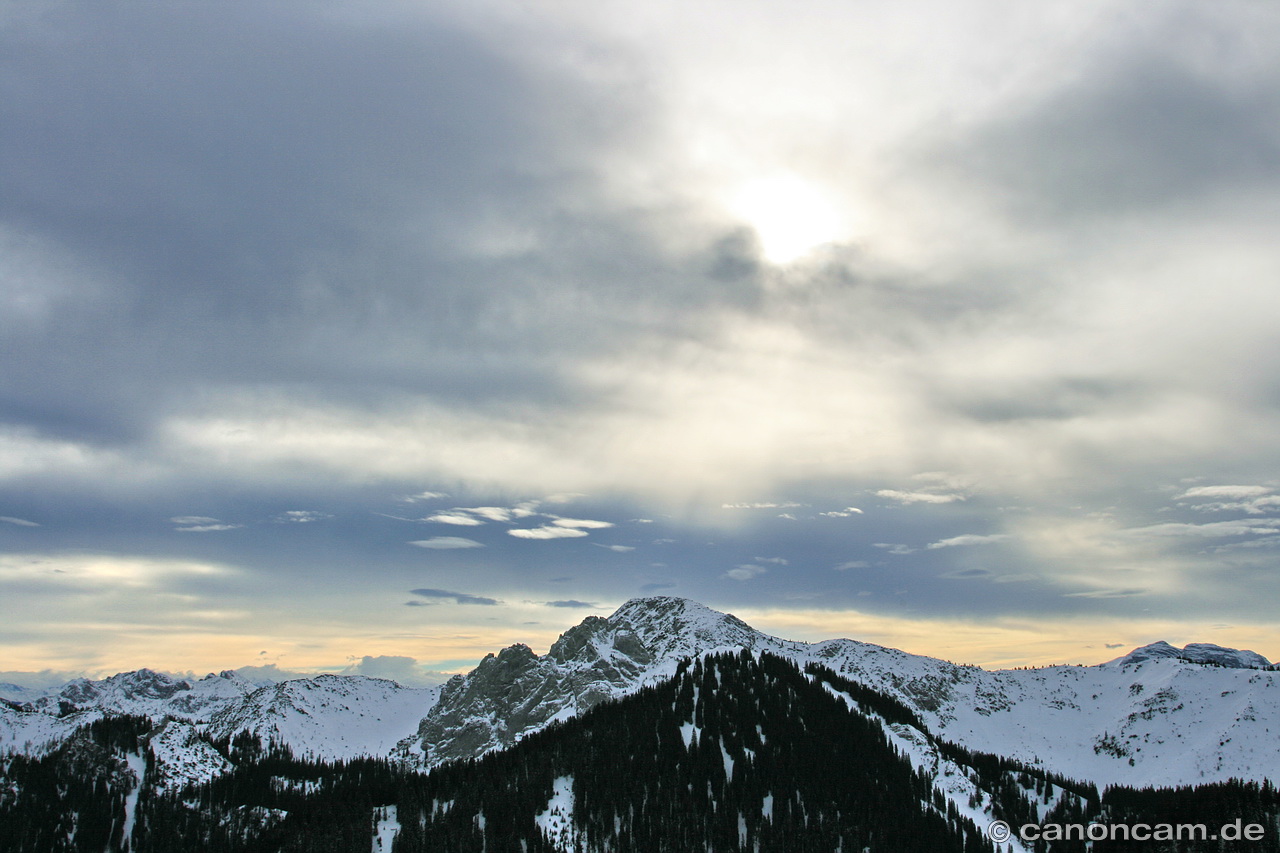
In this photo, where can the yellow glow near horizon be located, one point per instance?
(457, 640)
(1005, 643)
(791, 216)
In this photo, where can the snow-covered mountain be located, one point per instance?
(1162, 720)
(1157, 716)
(146, 693)
(329, 716)
(1206, 653)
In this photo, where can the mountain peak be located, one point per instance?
(1204, 653)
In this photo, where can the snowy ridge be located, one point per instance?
(329, 716)
(1161, 722)
(147, 693)
(1206, 653)
(1158, 716)
(34, 732)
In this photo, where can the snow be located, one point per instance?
(138, 766)
(35, 733)
(1158, 720)
(386, 828)
(330, 716)
(182, 758)
(556, 820)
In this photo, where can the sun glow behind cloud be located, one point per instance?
(791, 216)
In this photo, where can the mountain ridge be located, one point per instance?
(1157, 718)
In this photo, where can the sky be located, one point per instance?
(376, 337)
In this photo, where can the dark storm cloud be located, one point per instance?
(288, 195)
(457, 597)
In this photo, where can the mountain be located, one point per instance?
(1162, 721)
(732, 752)
(1158, 716)
(665, 726)
(145, 692)
(1204, 653)
(329, 716)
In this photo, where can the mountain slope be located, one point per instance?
(1160, 721)
(329, 716)
(1158, 716)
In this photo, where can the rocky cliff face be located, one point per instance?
(516, 692)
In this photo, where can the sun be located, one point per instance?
(790, 215)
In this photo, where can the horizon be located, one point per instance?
(409, 331)
(408, 672)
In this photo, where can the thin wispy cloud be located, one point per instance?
(301, 516)
(201, 524)
(744, 572)
(547, 532)
(919, 497)
(446, 543)
(455, 597)
(456, 518)
(969, 539)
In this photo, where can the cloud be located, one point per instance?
(301, 516)
(967, 574)
(852, 564)
(1210, 530)
(620, 549)
(777, 561)
(458, 597)
(744, 572)
(546, 532)
(425, 496)
(1225, 492)
(841, 513)
(571, 602)
(919, 497)
(201, 524)
(455, 518)
(446, 543)
(398, 668)
(969, 539)
(325, 259)
(21, 522)
(582, 523)
(893, 548)
(492, 513)
(1254, 500)
(1107, 593)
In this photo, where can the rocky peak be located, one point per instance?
(1203, 653)
(146, 684)
(669, 626)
